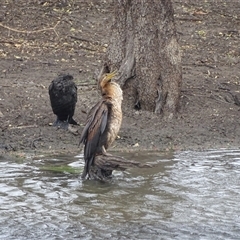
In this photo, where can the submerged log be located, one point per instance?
(105, 164)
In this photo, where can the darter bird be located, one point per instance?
(103, 122)
(63, 98)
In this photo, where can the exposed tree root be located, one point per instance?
(105, 164)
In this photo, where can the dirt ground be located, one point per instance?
(40, 39)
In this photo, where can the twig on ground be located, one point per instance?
(21, 127)
(33, 31)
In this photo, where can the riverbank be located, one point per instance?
(73, 40)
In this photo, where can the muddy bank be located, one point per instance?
(72, 38)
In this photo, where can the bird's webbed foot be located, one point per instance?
(104, 152)
(72, 121)
(61, 124)
(107, 154)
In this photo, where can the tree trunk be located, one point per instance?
(143, 47)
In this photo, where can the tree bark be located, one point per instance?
(143, 47)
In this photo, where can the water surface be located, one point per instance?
(186, 195)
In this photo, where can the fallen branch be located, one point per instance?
(105, 164)
(110, 162)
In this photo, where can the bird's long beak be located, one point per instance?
(111, 75)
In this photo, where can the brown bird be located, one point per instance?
(103, 121)
(63, 98)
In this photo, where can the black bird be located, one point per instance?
(103, 121)
(63, 98)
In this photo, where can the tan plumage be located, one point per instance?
(103, 121)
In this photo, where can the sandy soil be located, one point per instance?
(39, 41)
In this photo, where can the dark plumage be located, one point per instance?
(63, 98)
(103, 122)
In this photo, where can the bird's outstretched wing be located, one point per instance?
(93, 132)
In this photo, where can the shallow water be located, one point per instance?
(186, 195)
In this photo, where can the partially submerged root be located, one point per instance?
(105, 164)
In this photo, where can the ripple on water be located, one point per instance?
(191, 195)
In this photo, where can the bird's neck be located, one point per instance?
(112, 91)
